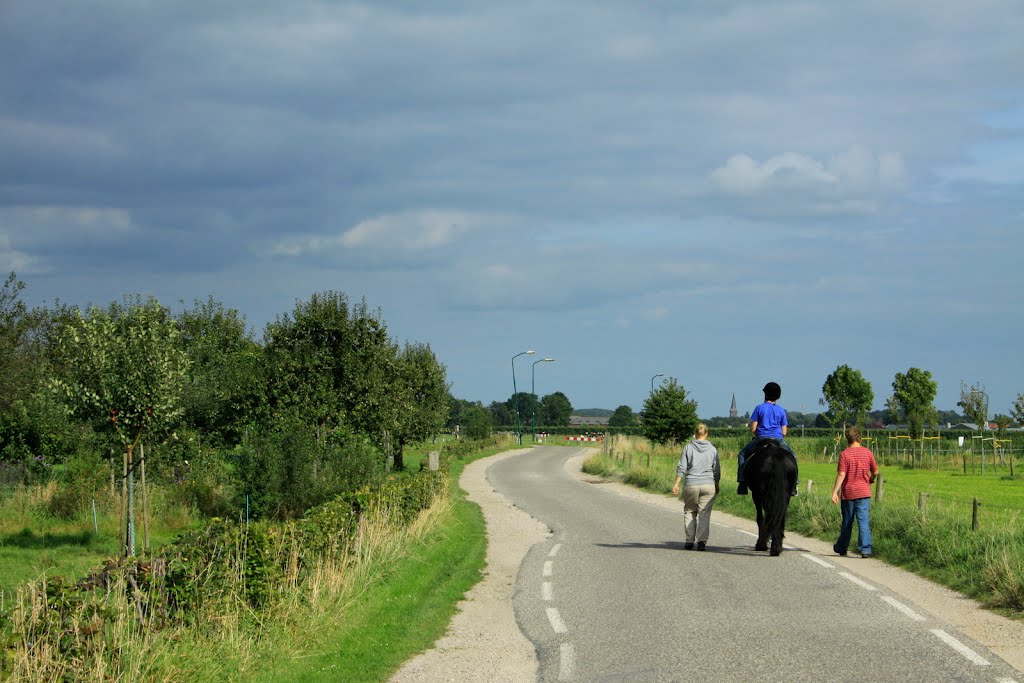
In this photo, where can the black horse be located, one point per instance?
(771, 474)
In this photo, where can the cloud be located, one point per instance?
(852, 182)
(394, 233)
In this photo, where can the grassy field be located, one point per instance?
(35, 543)
(936, 541)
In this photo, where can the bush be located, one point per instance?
(83, 476)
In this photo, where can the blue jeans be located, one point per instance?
(857, 508)
(741, 459)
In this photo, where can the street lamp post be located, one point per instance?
(533, 392)
(660, 374)
(515, 392)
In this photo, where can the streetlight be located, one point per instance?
(533, 370)
(660, 374)
(515, 392)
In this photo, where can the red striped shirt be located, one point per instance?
(859, 464)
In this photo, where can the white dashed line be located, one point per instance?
(967, 652)
(815, 560)
(748, 533)
(903, 608)
(863, 584)
(555, 619)
(545, 591)
(567, 662)
(547, 568)
(555, 549)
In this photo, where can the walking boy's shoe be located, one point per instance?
(741, 489)
(688, 546)
(701, 544)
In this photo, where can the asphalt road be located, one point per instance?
(612, 596)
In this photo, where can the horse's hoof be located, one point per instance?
(761, 546)
(775, 552)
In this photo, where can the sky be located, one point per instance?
(726, 193)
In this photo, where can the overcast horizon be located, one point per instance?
(726, 193)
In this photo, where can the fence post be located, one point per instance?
(810, 485)
(921, 498)
(434, 460)
(974, 515)
(878, 489)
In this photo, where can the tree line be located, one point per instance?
(320, 403)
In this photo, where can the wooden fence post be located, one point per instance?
(974, 515)
(434, 460)
(810, 485)
(921, 498)
(879, 489)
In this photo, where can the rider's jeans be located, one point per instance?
(749, 448)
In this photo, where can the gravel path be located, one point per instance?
(484, 642)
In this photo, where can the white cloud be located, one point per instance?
(424, 229)
(851, 182)
(48, 224)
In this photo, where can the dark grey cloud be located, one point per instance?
(541, 166)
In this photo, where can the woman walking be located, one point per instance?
(700, 467)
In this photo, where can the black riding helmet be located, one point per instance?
(772, 391)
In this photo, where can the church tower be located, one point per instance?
(732, 408)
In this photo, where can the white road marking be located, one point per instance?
(967, 652)
(547, 568)
(567, 662)
(903, 608)
(863, 584)
(1005, 680)
(555, 619)
(816, 560)
(545, 590)
(748, 533)
(555, 549)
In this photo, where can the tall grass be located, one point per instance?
(931, 536)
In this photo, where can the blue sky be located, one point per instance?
(727, 193)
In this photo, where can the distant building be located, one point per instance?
(582, 420)
(732, 408)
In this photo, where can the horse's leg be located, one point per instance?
(762, 536)
(780, 532)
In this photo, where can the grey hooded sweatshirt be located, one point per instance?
(699, 463)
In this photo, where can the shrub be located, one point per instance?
(82, 477)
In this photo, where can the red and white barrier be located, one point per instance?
(582, 438)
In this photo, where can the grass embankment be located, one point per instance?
(937, 542)
(357, 621)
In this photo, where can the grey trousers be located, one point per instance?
(697, 503)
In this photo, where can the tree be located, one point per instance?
(1002, 422)
(225, 390)
(848, 396)
(1018, 409)
(424, 396)
(334, 366)
(125, 372)
(622, 417)
(974, 402)
(912, 398)
(501, 414)
(527, 403)
(477, 422)
(668, 414)
(555, 410)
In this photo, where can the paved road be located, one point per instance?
(612, 596)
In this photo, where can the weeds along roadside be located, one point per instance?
(931, 536)
(226, 601)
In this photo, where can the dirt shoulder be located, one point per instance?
(484, 642)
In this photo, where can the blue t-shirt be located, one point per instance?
(769, 418)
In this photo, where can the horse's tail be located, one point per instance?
(776, 500)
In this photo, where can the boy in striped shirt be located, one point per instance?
(852, 493)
